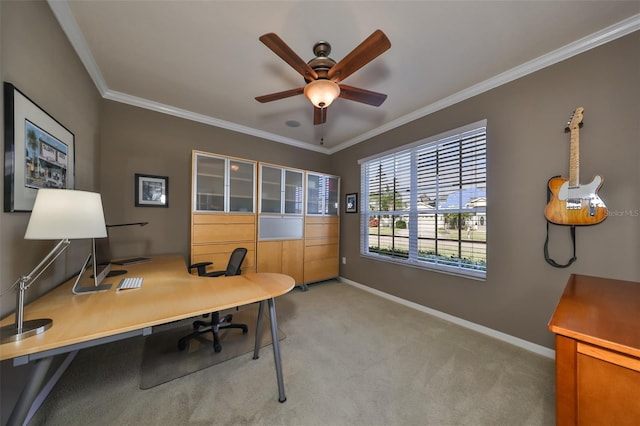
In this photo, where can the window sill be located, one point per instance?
(443, 269)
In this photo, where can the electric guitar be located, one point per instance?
(572, 203)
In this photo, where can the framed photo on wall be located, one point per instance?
(39, 152)
(152, 191)
(351, 203)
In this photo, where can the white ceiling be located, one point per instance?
(202, 60)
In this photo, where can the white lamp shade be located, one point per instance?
(321, 92)
(66, 213)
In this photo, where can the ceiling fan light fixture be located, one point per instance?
(321, 92)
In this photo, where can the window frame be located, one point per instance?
(396, 176)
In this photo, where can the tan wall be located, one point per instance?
(527, 146)
(135, 140)
(38, 60)
(36, 57)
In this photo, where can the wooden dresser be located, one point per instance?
(597, 327)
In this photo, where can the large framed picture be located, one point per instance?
(38, 151)
(152, 191)
(351, 203)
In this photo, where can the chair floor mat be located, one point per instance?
(162, 361)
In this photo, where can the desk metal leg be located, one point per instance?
(256, 348)
(276, 348)
(30, 391)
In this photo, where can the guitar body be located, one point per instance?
(579, 205)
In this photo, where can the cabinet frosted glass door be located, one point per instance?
(223, 184)
(209, 183)
(293, 192)
(331, 207)
(322, 195)
(270, 189)
(281, 190)
(241, 186)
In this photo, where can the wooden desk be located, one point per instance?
(597, 326)
(169, 293)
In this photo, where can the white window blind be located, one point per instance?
(425, 204)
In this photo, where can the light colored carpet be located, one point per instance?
(163, 362)
(350, 358)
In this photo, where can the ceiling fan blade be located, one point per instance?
(280, 95)
(361, 95)
(280, 48)
(319, 115)
(368, 50)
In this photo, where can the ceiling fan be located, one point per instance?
(323, 74)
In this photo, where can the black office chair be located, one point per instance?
(216, 323)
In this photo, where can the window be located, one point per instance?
(425, 204)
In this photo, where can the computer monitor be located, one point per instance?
(102, 259)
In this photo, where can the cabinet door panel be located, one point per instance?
(293, 192)
(321, 251)
(241, 186)
(293, 259)
(608, 392)
(270, 189)
(270, 256)
(222, 233)
(321, 269)
(209, 176)
(205, 218)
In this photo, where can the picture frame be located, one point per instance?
(351, 203)
(151, 191)
(39, 152)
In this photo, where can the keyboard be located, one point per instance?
(129, 283)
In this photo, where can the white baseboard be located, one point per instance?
(524, 344)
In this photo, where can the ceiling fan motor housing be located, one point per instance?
(322, 63)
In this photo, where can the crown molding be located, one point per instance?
(584, 44)
(205, 119)
(70, 27)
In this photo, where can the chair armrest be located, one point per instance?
(201, 266)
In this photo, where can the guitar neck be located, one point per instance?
(574, 159)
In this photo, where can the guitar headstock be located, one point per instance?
(575, 121)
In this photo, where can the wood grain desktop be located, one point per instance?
(169, 293)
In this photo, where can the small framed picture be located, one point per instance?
(152, 191)
(351, 203)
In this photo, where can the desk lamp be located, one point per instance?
(63, 214)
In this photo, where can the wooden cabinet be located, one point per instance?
(597, 326)
(280, 221)
(291, 226)
(223, 210)
(321, 228)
